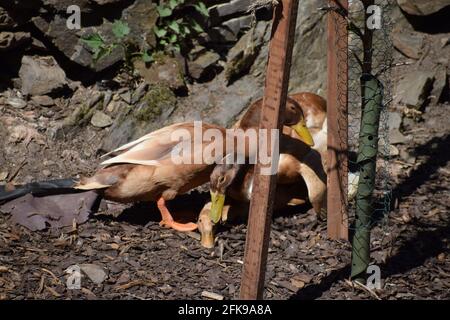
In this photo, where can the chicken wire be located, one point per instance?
(370, 61)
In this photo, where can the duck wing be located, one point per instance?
(156, 148)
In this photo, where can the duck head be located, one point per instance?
(221, 178)
(294, 118)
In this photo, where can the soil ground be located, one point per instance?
(143, 261)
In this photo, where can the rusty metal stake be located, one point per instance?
(275, 94)
(337, 171)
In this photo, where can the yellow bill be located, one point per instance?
(303, 132)
(217, 202)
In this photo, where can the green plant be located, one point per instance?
(101, 47)
(174, 31)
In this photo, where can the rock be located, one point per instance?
(80, 116)
(414, 88)
(94, 272)
(203, 64)
(17, 103)
(12, 40)
(244, 53)
(396, 137)
(393, 151)
(149, 114)
(3, 175)
(139, 92)
(440, 86)
(126, 96)
(69, 42)
(41, 75)
(219, 12)
(61, 5)
(101, 120)
(6, 21)
(421, 7)
(394, 123)
(44, 101)
(38, 45)
(445, 41)
(196, 51)
(239, 24)
(103, 2)
(94, 99)
(409, 43)
(298, 284)
(141, 17)
(230, 30)
(165, 70)
(46, 172)
(309, 53)
(107, 99)
(407, 157)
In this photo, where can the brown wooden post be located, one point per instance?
(275, 94)
(337, 162)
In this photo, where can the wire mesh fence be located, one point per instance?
(364, 129)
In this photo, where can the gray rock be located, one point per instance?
(139, 92)
(101, 120)
(202, 64)
(422, 7)
(395, 120)
(94, 99)
(243, 54)
(62, 5)
(393, 151)
(17, 103)
(309, 66)
(41, 75)
(3, 175)
(103, 2)
(12, 40)
(219, 12)
(239, 24)
(70, 44)
(107, 99)
(167, 71)
(409, 43)
(230, 30)
(407, 157)
(126, 96)
(44, 101)
(6, 21)
(94, 272)
(445, 41)
(141, 18)
(440, 85)
(414, 88)
(149, 114)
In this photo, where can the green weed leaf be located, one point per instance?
(120, 29)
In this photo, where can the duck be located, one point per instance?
(299, 161)
(144, 170)
(314, 108)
